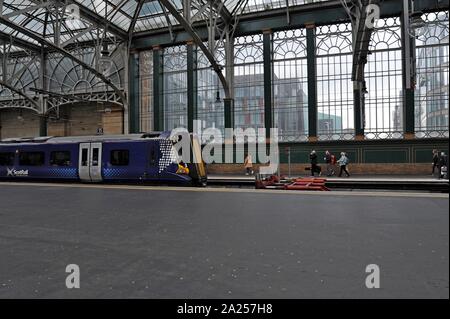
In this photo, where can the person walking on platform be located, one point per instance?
(435, 161)
(343, 162)
(248, 164)
(330, 160)
(443, 166)
(314, 166)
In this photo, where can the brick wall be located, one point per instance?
(12, 126)
(113, 122)
(357, 169)
(81, 120)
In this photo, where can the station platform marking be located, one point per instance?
(232, 190)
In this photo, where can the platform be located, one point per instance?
(164, 242)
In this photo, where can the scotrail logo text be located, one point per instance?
(16, 173)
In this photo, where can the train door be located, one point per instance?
(90, 162)
(83, 161)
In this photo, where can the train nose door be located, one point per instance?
(90, 162)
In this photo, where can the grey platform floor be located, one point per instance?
(150, 242)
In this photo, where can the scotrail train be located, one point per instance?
(143, 158)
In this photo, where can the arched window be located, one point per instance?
(249, 82)
(431, 93)
(175, 87)
(290, 85)
(335, 117)
(383, 74)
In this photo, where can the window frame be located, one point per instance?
(119, 150)
(21, 153)
(54, 152)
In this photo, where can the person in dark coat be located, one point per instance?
(314, 167)
(435, 162)
(443, 166)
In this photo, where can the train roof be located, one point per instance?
(84, 139)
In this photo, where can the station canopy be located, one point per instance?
(82, 21)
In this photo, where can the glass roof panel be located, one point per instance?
(121, 20)
(13, 48)
(18, 19)
(150, 8)
(20, 36)
(120, 13)
(97, 6)
(129, 7)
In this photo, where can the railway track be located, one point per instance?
(411, 184)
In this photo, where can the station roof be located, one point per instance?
(114, 18)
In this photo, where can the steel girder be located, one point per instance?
(361, 36)
(56, 100)
(97, 19)
(223, 11)
(359, 13)
(22, 94)
(58, 49)
(9, 38)
(134, 20)
(198, 41)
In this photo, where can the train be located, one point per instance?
(134, 158)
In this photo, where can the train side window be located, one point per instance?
(152, 157)
(95, 156)
(120, 157)
(6, 159)
(84, 157)
(60, 158)
(31, 158)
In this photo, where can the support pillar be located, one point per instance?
(42, 125)
(312, 81)
(228, 102)
(229, 112)
(42, 100)
(267, 55)
(134, 88)
(158, 108)
(191, 85)
(408, 67)
(358, 109)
